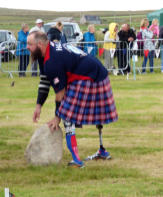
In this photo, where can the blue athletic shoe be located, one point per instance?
(75, 164)
(100, 154)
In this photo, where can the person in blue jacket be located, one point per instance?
(22, 51)
(90, 47)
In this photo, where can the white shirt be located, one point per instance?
(36, 28)
(107, 35)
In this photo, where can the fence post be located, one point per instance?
(0, 61)
(7, 192)
(134, 70)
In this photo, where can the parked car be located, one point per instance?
(70, 29)
(7, 45)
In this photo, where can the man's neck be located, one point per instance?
(44, 49)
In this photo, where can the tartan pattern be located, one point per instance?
(87, 102)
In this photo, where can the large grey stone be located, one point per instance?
(45, 147)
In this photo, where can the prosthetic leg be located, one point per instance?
(72, 145)
(101, 153)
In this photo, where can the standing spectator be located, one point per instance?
(161, 42)
(22, 51)
(110, 45)
(90, 47)
(126, 36)
(83, 92)
(154, 28)
(149, 48)
(39, 27)
(56, 33)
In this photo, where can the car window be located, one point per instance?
(47, 27)
(68, 31)
(2, 36)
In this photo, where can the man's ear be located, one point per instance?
(39, 44)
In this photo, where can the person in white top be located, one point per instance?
(39, 27)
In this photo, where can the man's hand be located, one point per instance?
(37, 112)
(54, 123)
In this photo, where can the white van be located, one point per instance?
(70, 29)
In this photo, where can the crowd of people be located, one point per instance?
(117, 41)
(145, 39)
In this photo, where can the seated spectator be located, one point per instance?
(90, 47)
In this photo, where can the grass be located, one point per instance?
(135, 142)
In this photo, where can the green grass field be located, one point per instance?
(135, 142)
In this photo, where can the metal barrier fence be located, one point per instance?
(16, 61)
(118, 57)
(147, 55)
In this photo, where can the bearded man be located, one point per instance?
(83, 92)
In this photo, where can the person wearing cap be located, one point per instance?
(38, 27)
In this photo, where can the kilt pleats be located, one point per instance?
(87, 102)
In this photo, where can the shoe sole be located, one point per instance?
(98, 158)
(75, 166)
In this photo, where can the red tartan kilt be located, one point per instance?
(87, 102)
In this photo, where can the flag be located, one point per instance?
(157, 52)
(146, 53)
(112, 51)
(101, 51)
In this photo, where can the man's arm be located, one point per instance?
(54, 123)
(43, 91)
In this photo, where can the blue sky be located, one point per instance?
(84, 5)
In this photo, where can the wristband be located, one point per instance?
(57, 105)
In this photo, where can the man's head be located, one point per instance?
(39, 23)
(25, 27)
(37, 42)
(124, 27)
(91, 28)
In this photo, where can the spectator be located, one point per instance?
(90, 47)
(126, 36)
(161, 43)
(110, 45)
(82, 87)
(154, 28)
(39, 27)
(149, 48)
(22, 51)
(56, 33)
